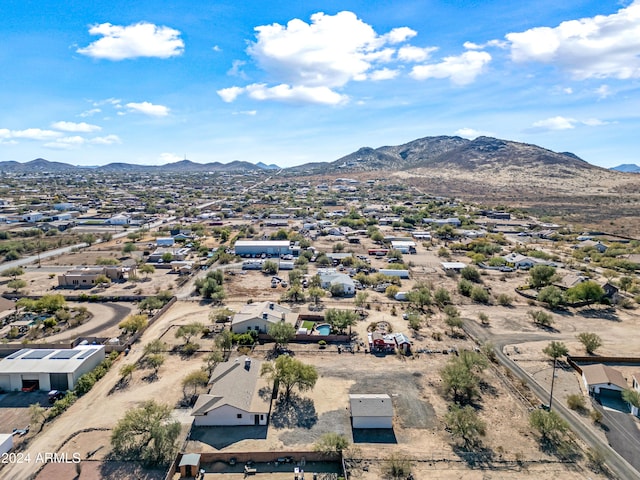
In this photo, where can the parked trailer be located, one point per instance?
(378, 252)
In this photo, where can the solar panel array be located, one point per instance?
(37, 354)
(87, 353)
(17, 354)
(65, 354)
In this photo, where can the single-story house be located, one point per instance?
(371, 411)
(570, 280)
(406, 246)
(120, 219)
(599, 246)
(600, 379)
(6, 443)
(519, 261)
(236, 396)
(331, 277)
(421, 235)
(260, 316)
(48, 369)
(85, 277)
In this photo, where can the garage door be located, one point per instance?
(59, 381)
(612, 399)
(5, 383)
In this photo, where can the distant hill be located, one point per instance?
(264, 166)
(627, 168)
(461, 154)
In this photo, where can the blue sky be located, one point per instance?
(292, 82)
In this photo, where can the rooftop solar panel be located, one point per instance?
(65, 354)
(37, 354)
(86, 353)
(18, 353)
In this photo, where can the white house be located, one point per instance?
(32, 217)
(331, 277)
(371, 411)
(6, 443)
(48, 369)
(601, 379)
(390, 272)
(267, 247)
(165, 242)
(519, 261)
(260, 316)
(235, 397)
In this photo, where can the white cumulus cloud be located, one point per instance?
(461, 70)
(471, 133)
(75, 127)
(133, 41)
(295, 94)
(597, 47)
(167, 157)
(310, 62)
(148, 109)
(34, 134)
(106, 140)
(553, 123)
(409, 53)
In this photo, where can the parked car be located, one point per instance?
(55, 395)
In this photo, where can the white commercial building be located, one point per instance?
(48, 369)
(6, 443)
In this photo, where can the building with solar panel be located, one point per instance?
(48, 369)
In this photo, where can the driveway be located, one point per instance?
(622, 433)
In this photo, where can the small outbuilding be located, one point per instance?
(189, 465)
(371, 411)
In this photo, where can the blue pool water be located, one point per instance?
(323, 329)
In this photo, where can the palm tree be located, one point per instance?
(554, 350)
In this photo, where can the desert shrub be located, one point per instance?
(505, 300)
(465, 287)
(480, 295)
(576, 402)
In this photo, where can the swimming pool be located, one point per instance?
(323, 329)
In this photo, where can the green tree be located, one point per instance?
(554, 350)
(316, 293)
(465, 424)
(126, 371)
(479, 295)
(147, 269)
(589, 292)
(442, 297)
(331, 442)
(336, 290)
(340, 319)
(154, 361)
(224, 341)
(361, 299)
(541, 275)
(50, 303)
(133, 323)
(282, 333)
(12, 272)
(420, 297)
(540, 317)
(625, 283)
(188, 331)
(212, 359)
(289, 374)
(270, 267)
(88, 238)
(155, 346)
(150, 304)
(632, 397)
(194, 380)
(221, 315)
(470, 273)
(591, 341)
(128, 247)
(147, 433)
(549, 424)
(551, 295)
(167, 257)
(17, 284)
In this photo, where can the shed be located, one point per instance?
(6, 443)
(189, 465)
(371, 410)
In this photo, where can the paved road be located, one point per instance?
(615, 461)
(622, 433)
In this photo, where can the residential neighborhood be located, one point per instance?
(301, 330)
